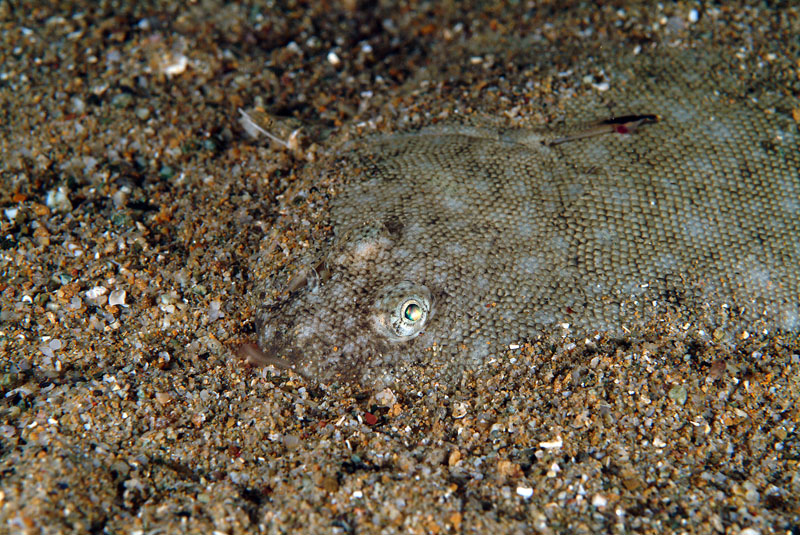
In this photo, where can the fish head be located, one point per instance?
(365, 305)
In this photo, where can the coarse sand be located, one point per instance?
(134, 205)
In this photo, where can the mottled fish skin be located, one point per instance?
(451, 242)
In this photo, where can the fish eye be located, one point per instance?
(412, 311)
(402, 311)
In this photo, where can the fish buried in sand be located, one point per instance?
(449, 243)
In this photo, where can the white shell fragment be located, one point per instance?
(176, 66)
(552, 444)
(525, 492)
(97, 295)
(117, 298)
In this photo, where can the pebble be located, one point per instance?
(678, 394)
(333, 59)
(176, 65)
(58, 200)
(214, 312)
(142, 113)
(525, 492)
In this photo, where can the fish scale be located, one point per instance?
(451, 242)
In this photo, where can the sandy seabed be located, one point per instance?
(134, 204)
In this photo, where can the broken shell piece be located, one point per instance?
(385, 398)
(286, 132)
(459, 410)
(117, 298)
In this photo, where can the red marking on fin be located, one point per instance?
(626, 124)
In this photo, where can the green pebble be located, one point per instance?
(123, 100)
(142, 113)
(166, 172)
(678, 394)
(120, 220)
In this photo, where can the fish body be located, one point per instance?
(451, 242)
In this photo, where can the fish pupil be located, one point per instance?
(412, 312)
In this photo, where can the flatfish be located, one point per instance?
(667, 199)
